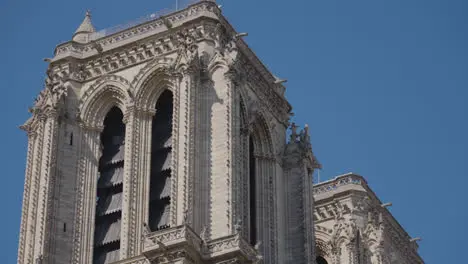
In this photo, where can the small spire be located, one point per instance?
(84, 29)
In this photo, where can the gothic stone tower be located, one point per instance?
(164, 142)
(352, 226)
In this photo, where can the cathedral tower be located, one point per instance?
(165, 142)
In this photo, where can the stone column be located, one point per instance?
(184, 136)
(308, 205)
(265, 166)
(204, 98)
(295, 234)
(382, 258)
(128, 239)
(221, 196)
(280, 211)
(89, 153)
(34, 192)
(46, 185)
(335, 255)
(27, 213)
(352, 251)
(299, 223)
(142, 175)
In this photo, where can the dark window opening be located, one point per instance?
(109, 190)
(321, 260)
(71, 139)
(161, 158)
(64, 227)
(252, 194)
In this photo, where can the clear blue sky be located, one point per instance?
(382, 83)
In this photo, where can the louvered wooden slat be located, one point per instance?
(111, 177)
(107, 232)
(105, 256)
(161, 188)
(115, 155)
(109, 204)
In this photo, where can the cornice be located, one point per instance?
(132, 54)
(161, 24)
(146, 41)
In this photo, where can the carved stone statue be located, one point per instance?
(293, 132)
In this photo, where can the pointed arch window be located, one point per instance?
(161, 157)
(109, 190)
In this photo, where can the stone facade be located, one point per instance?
(234, 188)
(352, 226)
(233, 184)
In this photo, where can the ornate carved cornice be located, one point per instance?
(160, 42)
(204, 8)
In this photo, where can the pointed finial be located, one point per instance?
(85, 29)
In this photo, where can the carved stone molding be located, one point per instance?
(184, 15)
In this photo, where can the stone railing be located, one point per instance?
(182, 236)
(339, 181)
(171, 237)
(230, 244)
(138, 27)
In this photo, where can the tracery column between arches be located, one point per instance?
(183, 130)
(128, 238)
(220, 191)
(143, 120)
(202, 162)
(240, 161)
(231, 78)
(176, 125)
(89, 154)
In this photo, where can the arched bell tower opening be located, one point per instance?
(161, 157)
(109, 190)
(257, 179)
(321, 260)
